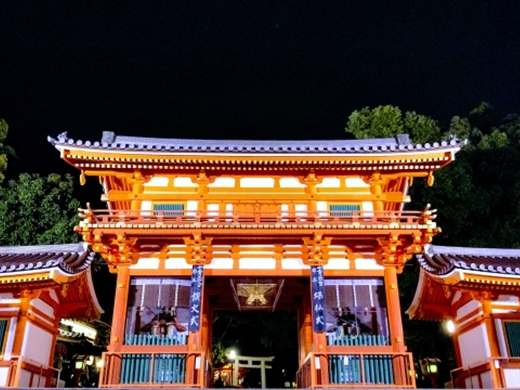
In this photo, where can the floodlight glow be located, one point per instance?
(450, 326)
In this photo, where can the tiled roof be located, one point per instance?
(441, 260)
(71, 258)
(111, 141)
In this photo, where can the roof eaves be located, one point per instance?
(148, 144)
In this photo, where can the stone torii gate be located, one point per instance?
(251, 362)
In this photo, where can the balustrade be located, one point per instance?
(357, 369)
(501, 370)
(131, 217)
(155, 369)
(18, 371)
(152, 339)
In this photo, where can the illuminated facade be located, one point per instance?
(194, 226)
(39, 286)
(478, 290)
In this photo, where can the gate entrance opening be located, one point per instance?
(255, 317)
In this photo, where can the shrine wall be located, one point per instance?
(273, 194)
(474, 345)
(38, 344)
(267, 258)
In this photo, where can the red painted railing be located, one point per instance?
(155, 369)
(129, 217)
(24, 372)
(370, 370)
(498, 372)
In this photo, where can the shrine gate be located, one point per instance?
(194, 226)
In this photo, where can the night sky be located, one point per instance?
(249, 69)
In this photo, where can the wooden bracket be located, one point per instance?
(199, 251)
(315, 250)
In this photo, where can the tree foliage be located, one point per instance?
(38, 210)
(4, 128)
(389, 121)
(477, 196)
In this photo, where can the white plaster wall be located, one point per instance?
(54, 296)
(184, 182)
(368, 264)
(322, 206)
(3, 376)
(261, 263)
(257, 182)
(225, 182)
(10, 338)
(355, 182)
(212, 208)
(487, 380)
(146, 263)
(367, 207)
(8, 298)
(474, 345)
(502, 347)
(300, 207)
(467, 308)
(146, 205)
(191, 207)
(220, 263)
(512, 377)
(25, 378)
(329, 182)
(176, 263)
(43, 307)
(157, 181)
(37, 344)
(338, 264)
(290, 182)
(505, 300)
(293, 264)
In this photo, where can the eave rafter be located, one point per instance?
(98, 163)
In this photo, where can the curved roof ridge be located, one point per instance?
(470, 251)
(250, 142)
(54, 248)
(111, 141)
(71, 258)
(440, 260)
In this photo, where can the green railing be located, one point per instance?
(358, 369)
(358, 340)
(153, 368)
(151, 339)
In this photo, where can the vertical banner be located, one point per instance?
(197, 278)
(318, 298)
